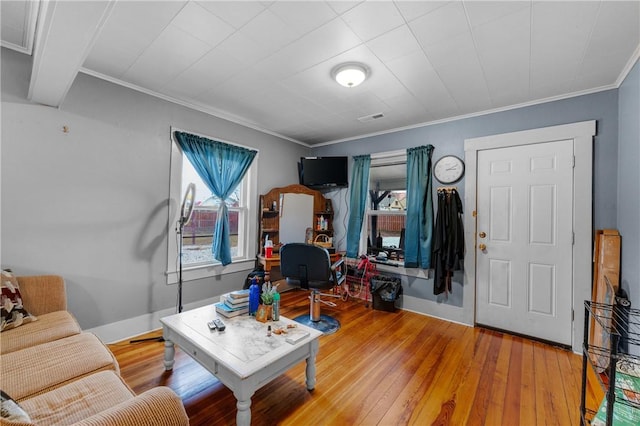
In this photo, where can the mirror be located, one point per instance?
(296, 215)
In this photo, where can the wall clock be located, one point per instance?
(448, 169)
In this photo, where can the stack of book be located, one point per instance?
(234, 303)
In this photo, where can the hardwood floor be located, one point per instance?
(385, 368)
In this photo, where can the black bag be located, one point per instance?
(257, 273)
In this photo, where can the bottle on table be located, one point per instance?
(275, 311)
(254, 296)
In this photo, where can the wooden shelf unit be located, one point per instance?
(270, 217)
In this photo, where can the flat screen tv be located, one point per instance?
(323, 172)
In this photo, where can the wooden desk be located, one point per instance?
(270, 262)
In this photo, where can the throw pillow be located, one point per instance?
(11, 309)
(11, 410)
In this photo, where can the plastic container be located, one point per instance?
(275, 312)
(268, 248)
(254, 296)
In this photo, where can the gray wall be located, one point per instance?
(93, 204)
(629, 183)
(448, 138)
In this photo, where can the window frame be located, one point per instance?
(248, 225)
(396, 267)
(380, 159)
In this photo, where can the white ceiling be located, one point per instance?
(267, 64)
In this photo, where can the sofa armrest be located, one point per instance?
(42, 294)
(157, 406)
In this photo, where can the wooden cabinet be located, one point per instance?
(320, 221)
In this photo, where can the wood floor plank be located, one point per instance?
(473, 371)
(514, 383)
(545, 403)
(528, 413)
(499, 383)
(439, 401)
(387, 393)
(409, 396)
(383, 368)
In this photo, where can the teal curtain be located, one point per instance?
(419, 224)
(221, 167)
(357, 201)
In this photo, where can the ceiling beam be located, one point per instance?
(66, 33)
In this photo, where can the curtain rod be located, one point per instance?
(395, 163)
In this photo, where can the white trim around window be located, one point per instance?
(246, 246)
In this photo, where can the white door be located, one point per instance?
(524, 221)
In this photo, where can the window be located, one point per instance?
(197, 234)
(387, 210)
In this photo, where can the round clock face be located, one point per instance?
(448, 169)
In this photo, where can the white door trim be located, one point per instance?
(582, 134)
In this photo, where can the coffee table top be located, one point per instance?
(243, 346)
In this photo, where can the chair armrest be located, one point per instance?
(335, 265)
(43, 294)
(157, 406)
(338, 270)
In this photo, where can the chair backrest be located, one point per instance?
(306, 265)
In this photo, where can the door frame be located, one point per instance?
(582, 134)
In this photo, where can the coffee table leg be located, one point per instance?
(311, 366)
(243, 405)
(169, 353)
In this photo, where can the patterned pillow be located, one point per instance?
(11, 410)
(13, 313)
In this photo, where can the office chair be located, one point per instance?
(309, 267)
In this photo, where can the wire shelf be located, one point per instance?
(619, 320)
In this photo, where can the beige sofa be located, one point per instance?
(59, 374)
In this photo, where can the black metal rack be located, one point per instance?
(620, 328)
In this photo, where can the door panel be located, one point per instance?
(500, 282)
(524, 205)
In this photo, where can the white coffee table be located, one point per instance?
(242, 357)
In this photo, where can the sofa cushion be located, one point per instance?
(48, 328)
(78, 400)
(11, 410)
(159, 406)
(12, 311)
(38, 369)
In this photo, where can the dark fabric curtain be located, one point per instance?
(358, 201)
(419, 223)
(222, 167)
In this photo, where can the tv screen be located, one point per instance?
(323, 172)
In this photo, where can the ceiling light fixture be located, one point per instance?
(350, 74)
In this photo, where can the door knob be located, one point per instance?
(482, 247)
(482, 234)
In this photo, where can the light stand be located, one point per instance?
(186, 209)
(185, 215)
(179, 229)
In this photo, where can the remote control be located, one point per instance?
(216, 324)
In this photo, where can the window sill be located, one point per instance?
(395, 267)
(211, 270)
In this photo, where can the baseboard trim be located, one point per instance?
(132, 327)
(434, 309)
